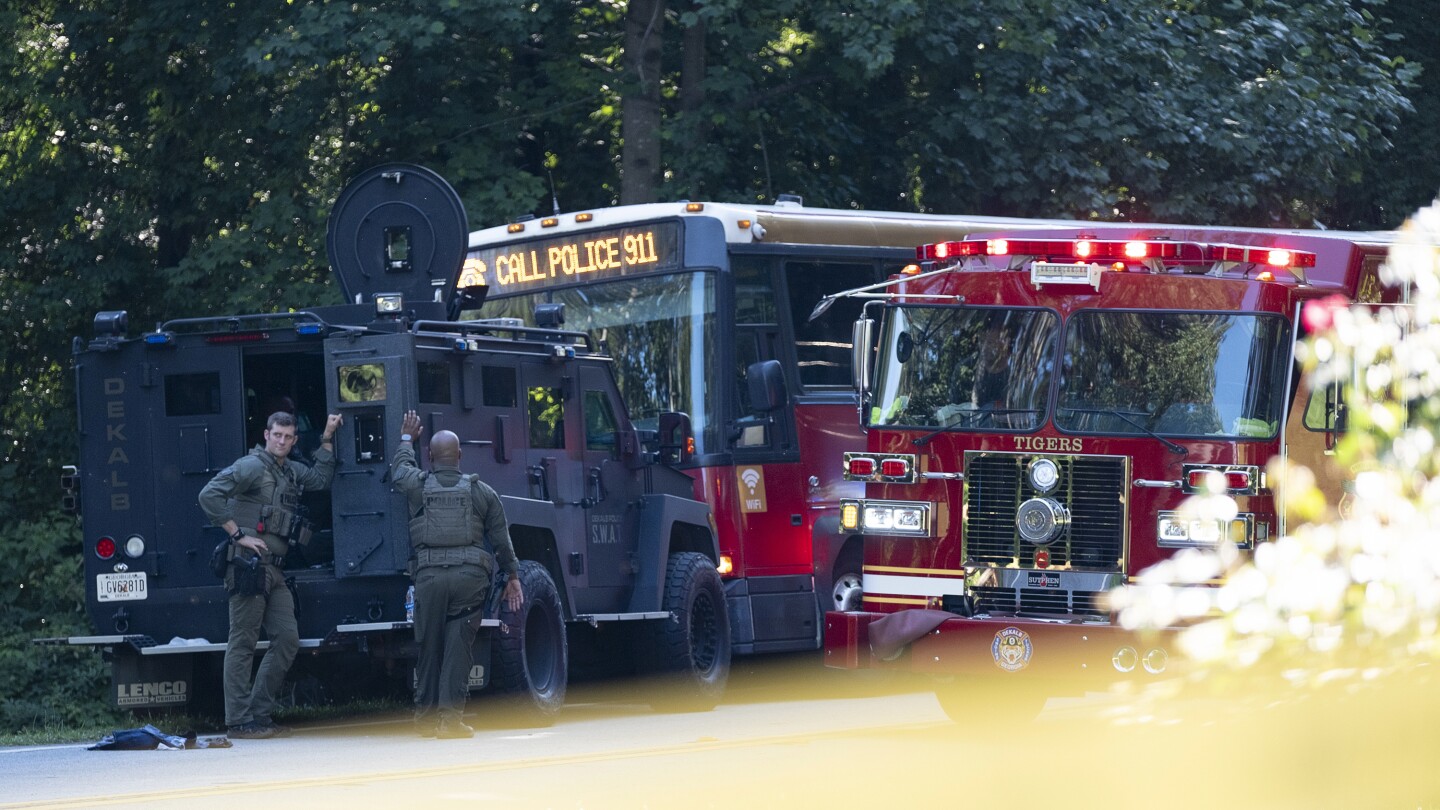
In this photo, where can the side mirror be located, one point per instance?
(767, 386)
(677, 438)
(862, 337)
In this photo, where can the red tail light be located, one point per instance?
(862, 466)
(894, 467)
(105, 548)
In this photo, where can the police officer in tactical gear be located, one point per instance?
(452, 515)
(256, 501)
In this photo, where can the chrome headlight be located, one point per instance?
(909, 518)
(1172, 531)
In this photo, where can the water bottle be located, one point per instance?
(410, 604)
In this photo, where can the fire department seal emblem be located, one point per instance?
(1011, 649)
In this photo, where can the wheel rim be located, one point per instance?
(704, 633)
(540, 651)
(847, 592)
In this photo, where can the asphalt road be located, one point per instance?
(790, 735)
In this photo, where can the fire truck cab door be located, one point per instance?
(368, 383)
(1314, 423)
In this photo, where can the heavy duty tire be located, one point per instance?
(531, 660)
(690, 651)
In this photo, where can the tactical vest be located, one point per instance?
(447, 515)
(276, 515)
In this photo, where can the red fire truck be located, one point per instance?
(1038, 405)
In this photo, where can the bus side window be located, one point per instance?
(822, 346)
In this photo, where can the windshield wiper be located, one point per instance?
(1124, 416)
(970, 418)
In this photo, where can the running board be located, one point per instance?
(594, 619)
(146, 645)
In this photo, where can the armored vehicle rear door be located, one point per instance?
(197, 411)
(611, 487)
(366, 382)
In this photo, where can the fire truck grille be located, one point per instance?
(1092, 488)
(1031, 600)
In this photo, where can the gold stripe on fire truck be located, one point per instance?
(895, 600)
(892, 569)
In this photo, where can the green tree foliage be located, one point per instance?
(1385, 186)
(1243, 112)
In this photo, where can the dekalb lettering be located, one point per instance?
(118, 460)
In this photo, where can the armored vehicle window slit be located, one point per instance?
(547, 418)
(599, 422)
(434, 383)
(499, 385)
(192, 394)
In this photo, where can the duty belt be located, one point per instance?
(456, 555)
(276, 560)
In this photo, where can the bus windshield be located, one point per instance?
(965, 368)
(1173, 373)
(660, 328)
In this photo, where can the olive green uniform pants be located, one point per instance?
(448, 602)
(247, 702)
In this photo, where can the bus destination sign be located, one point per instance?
(570, 258)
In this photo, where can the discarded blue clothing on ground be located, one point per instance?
(150, 738)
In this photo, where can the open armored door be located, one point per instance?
(368, 381)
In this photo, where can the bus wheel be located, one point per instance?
(531, 659)
(847, 592)
(690, 650)
(991, 703)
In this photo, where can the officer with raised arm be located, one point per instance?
(256, 501)
(452, 514)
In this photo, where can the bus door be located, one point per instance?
(610, 487)
(761, 509)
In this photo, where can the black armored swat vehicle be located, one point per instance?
(618, 561)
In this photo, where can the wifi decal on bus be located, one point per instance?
(752, 489)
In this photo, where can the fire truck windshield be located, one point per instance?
(965, 368)
(987, 369)
(1173, 373)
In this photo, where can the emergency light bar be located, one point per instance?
(1108, 250)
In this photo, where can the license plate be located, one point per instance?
(120, 587)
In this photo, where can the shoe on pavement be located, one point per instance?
(454, 730)
(276, 730)
(251, 731)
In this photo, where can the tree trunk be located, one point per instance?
(692, 99)
(640, 125)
